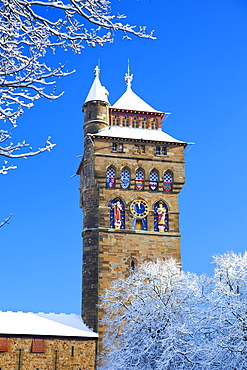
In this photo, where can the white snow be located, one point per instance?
(137, 134)
(97, 91)
(51, 324)
(130, 101)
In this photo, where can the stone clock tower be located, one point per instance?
(130, 178)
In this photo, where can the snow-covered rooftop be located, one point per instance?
(137, 134)
(130, 101)
(48, 324)
(97, 91)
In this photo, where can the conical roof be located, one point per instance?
(130, 101)
(97, 91)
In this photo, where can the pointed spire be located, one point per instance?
(97, 91)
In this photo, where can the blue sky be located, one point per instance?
(197, 70)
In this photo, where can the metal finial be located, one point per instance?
(96, 71)
(128, 77)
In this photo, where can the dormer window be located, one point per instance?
(154, 124)
(125, 122)
(115, 120)
(144, 122)
(135, 122)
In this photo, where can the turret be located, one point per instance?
(96, 107)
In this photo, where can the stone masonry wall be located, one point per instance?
(70, 354)
(108, 252)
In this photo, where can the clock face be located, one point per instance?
(139, 208)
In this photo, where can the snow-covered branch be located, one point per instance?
(11, 150)
(30, 32)
(5, 221)
(30, 29)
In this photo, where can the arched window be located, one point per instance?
(117, 214)
(135, 122)
(144, 122)
(125, 178)
(168, 180)
(161, 217)
(125, 121)
(115, 120)
(153, 180)
(139, 179)
(154, 124)
(110, 177)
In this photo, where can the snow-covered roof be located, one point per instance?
(137, 134)
(47, 324)
(97, 91)
(130, 101)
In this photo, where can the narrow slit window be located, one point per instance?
(132, 266)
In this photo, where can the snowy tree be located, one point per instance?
(30, 31)
(163, 318)
(229, 298)
(154, 320)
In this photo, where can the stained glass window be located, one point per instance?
(139, 179)
(125, 178)
(110, 177)
(153, 180)
(161, 217)
(168, 180)
(117, 214)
